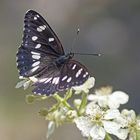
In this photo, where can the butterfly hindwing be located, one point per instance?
(73, 73)
(47, 83)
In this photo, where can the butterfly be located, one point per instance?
(41, 57)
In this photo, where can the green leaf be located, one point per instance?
(51, 128)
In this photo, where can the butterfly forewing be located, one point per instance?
(38, 30)
(39, 47)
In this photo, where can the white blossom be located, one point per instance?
(96, 122)
(85, 87)
(106, 98)
(133, 123)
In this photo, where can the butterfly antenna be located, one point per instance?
(94, 54)
(73, 43)
(74, 40)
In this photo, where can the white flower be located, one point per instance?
(114, 128)
(133, 123)
(84, 124)
(97, 122)
(85, 87)
(58, 116)
(117, 98)
(97, 132)
(105, 98)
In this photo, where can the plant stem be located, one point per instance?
(63, 101)
(107, 137)
(83, 102)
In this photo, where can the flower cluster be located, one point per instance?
(96, 115)
(103, 117)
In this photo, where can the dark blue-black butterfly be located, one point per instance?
(41, 56)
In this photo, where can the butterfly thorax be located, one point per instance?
(63, 59)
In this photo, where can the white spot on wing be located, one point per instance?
(34, 38)
(55, 80)
(43, 80)
(48, 80)
(38, 46)
(79, 72)
(35, 53)
(64, 78)
(36, 57)
(74, 66)
(51, 39)
(41, 28)
(35, 18)
(34, 69)
(36, 63)
(69, 79)
(38, 93)
(86, 74)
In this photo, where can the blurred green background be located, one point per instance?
(110, 27)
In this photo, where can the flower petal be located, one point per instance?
(92, 109)
(111, 114)
(130, 114)
(121, 134)
(85, 87)
(122, 121)
(84, 125)
(21, 83)
(92, 97)
(103, 101)
(111, 126)
(120, 96)
(26, 84)
(97, 132)
(51, 128)
(115, 129)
